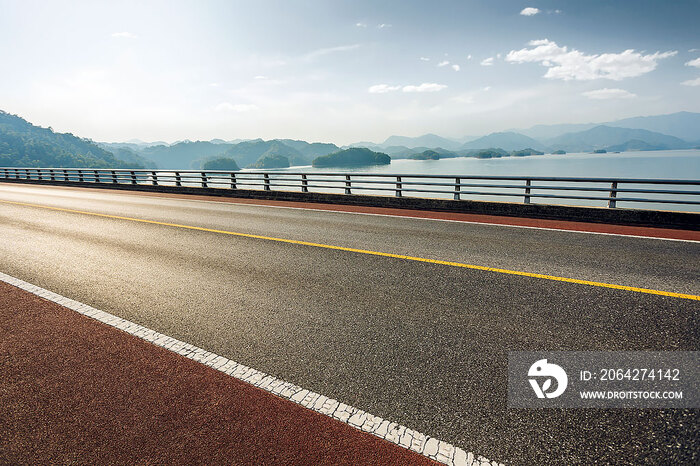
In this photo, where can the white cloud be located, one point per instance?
(455, 67)
(384, 25)
(469, 57)
(124, 35)
(606, 94)
(361, 25)
(326, 51)
(695, 63)
(693, 50)
(487, 88)
(382, 88)
(425, 59)
(692, 82)
(238, 108)
(529, 11)
(425, 87)
(214, 84)
(487, 61)
(566, 64)
(261, 77)
(443, 63)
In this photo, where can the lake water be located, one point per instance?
(672, 165)
(677, 164)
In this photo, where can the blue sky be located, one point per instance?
(342, 71)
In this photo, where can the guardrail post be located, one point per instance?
(154, 179)
(398, 186)
(612, 203)
(178, 179)
(52, 176)
(97, 176)
(38, 174)
(233, 181)
(133, 178)
(457, 188)
(16, 174)
(26, 175)
(348, 184)
(204, 180)
(80, 176)
(304, 184)
(65, 175)
(528, 183)
(114, 176)
(266, 181)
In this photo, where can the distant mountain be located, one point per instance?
(602, 137)
(544, 132)
(367, 144)
(634, 144)
(247, 153)
(183, 155)
(427, 140)
(683, 125)
(310, 150)
(23, 144)
(399, 151)
(507, 141)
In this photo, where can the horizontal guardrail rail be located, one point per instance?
(525, 189)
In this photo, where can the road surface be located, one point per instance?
(421, 343)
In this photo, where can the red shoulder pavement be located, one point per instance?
(76, 390)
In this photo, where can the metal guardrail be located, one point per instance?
(527, 188)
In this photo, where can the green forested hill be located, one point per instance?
(352, 157)
(24, 145)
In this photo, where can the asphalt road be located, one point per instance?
(421, 344)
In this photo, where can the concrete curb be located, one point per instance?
(616, 216)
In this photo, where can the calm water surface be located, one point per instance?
(673, 165)
(677, 164)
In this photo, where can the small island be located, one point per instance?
(356, 156)
(600, 151)
(425, 155)
(221, 163)
(271, 161)
(559, 152)
(490, 153)
(525, 152)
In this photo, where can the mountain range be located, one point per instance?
(24, 144)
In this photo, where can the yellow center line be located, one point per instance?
(374, 253)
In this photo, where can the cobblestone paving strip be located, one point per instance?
(405, 437)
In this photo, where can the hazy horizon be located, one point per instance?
(342, 71)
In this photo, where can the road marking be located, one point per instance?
(411, 217)
(397, 434)
(373, 253)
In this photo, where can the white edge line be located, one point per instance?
(402, 436)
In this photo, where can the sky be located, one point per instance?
(342, 71)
